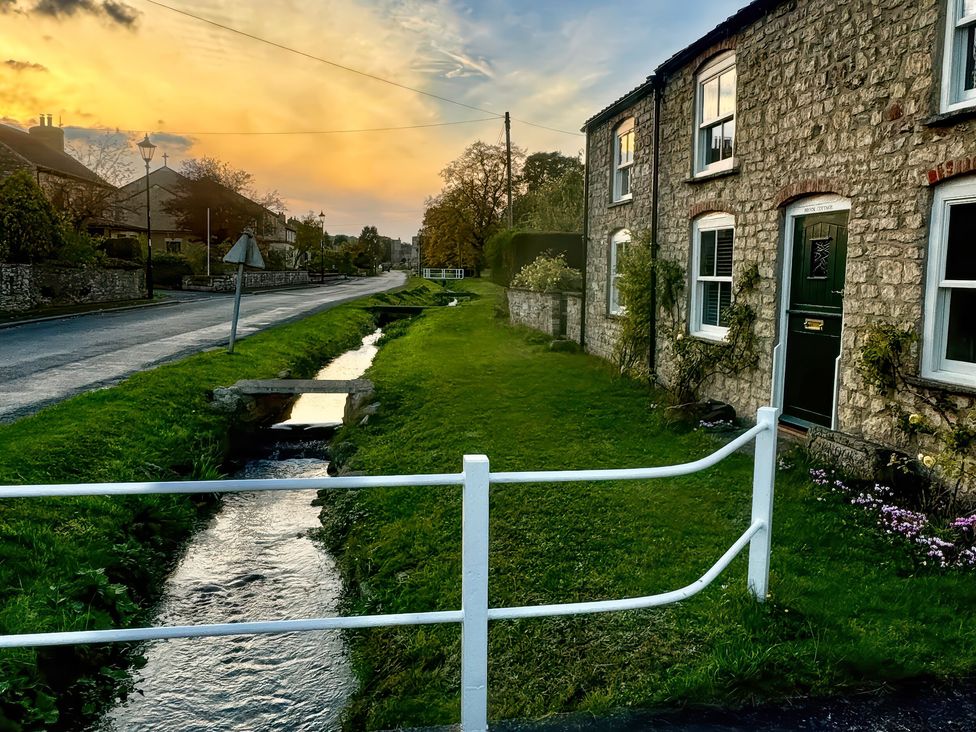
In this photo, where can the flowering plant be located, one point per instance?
(952, 547)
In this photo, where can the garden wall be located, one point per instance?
(25, 287)
(554, 313)
(252, 281)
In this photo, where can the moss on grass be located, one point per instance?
(848, 610)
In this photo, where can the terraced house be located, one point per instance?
(833, 146)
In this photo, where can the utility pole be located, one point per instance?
(508, 165)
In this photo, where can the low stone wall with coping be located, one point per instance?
(252, 281)
(25, 287)
(554, 313)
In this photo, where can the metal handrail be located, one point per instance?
(474, 613)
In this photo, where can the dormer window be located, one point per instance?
(959, 61)
(623, 159)
(715, 115)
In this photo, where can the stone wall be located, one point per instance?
(605, 218)
(24, 287)
(554, 313)
(832, 98)
(252, 281)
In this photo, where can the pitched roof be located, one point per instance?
(45, 158)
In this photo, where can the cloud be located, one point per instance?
(173, 143)
(24, 65)
(117, 12)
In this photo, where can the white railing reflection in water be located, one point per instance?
(474, 613)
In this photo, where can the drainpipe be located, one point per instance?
(586, 235)
(658, 85)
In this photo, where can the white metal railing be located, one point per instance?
(443, 274)
(475, 612)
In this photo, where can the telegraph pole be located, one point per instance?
(508, 165)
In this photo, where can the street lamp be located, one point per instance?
(321, 245)
(146, 149)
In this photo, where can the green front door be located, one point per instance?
(814, 316)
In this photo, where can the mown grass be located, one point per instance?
(848, 609)
(87, 563)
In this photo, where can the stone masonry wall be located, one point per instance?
(252, 281)
(24, 287)
(606, 218)
(537, 310)
(832, 98)
(574, 311)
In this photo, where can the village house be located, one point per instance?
(73, 188)
(832, 145)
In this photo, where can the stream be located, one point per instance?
(255, 561)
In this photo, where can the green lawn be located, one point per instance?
(848, 610)
(87, 563)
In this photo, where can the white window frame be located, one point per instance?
(177, 242)
(954, 95)
(938, 290)
(620, 238)
(620, 166)
(713, 69)
(711, 222)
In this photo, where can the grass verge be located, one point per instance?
(91, 563)
(848, 611)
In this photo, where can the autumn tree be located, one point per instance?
(470, 207)
(543, 168)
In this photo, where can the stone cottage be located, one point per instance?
(832, 145)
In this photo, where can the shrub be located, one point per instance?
(81, 249)
(548, 273)
(169, 270)
(30, 229)
(126, 247)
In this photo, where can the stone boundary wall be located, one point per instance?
(252, 281)
(554, 313)
(24, 287)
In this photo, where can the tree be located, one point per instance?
(555, 205)
(310, 237)
(108, 157)
(371, 247)
(29, 225)
(470, 207)
(221, 188)
(544, 167)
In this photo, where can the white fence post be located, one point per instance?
(763, 480)
(474, 595)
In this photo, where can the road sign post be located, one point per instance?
(245, 251)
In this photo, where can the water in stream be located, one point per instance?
(255, 561)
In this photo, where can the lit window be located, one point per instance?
(715, 115)
(623, 159)
(959, 62)
(711, 275)
(949, 352)
(618, 245)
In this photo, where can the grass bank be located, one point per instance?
(90, 563)
(848, 611)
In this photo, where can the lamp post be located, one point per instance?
(146, 149)
(321, 245)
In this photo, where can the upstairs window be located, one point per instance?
(949, 352)
(618, 245)
(959, 62)
(623, 159)
(711, 275)
(715, 115)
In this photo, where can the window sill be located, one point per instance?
(621, 202)
(702, 177)
(938, 385)
(944, 119)
(709, 337)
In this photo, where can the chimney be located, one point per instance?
(47, 133)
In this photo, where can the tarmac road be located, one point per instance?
(44, 362)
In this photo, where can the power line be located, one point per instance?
(336, 132)
(289, 49)
(283, 47)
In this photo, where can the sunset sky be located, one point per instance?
(139, 66)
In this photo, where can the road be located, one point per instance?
(45, 362)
